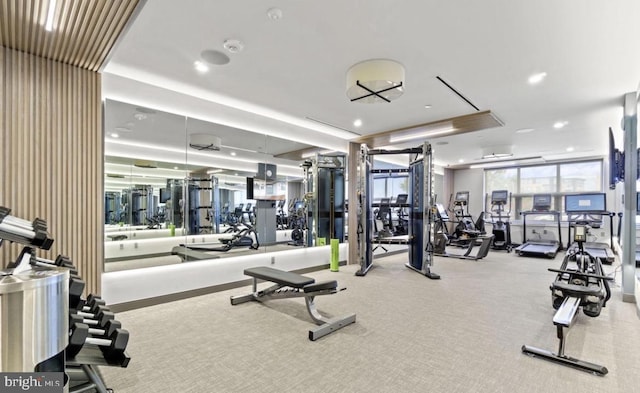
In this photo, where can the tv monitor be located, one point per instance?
(616, 163)
(499, 197)
(586, 203)
(462, 197)
(542, 202)
(165, 195)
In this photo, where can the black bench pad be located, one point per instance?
(281, 277)
(321, 286)
(577, 290)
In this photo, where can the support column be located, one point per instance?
(630, 125)
(352, 222)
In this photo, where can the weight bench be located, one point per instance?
(290, 285)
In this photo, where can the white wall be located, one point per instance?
(471, 180)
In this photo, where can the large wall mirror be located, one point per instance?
(180, 189)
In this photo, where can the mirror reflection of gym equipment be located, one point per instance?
(420, 225)
(539, 246)
(203, 201)
(324, 202)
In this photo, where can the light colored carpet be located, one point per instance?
(462, 333)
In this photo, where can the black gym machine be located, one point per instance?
(580, 283)
(421, 215)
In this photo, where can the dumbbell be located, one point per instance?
(111, 347)
(92, 304)
(99, 320)
(104, 331)
(61, 261)
(91, 314)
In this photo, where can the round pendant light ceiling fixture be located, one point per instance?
(373, 81)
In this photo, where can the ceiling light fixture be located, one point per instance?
(461, 160)
(560, 124)
(233, 153)
(214, 57)
(427, 134)
(175, 167)
(376, 80)
(200, 67)
(537, 78)
(570, 149)
(140, 116)
(205, 142)
(274, 13)
(427, 106)
(233, 46)
(48, 25)
(357, 123)
(114, 135)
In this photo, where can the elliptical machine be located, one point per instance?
(500, 220)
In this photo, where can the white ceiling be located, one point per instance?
(294, 68)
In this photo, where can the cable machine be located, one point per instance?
(324, 198)
(203, 200)
(421, 214)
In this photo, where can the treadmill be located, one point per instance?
(540, 247)
(588, 209)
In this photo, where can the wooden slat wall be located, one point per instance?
(52, 156)
(83, 34)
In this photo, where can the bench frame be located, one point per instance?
(283, 290)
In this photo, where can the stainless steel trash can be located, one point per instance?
(34, 317)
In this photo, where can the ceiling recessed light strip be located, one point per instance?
(427, 134)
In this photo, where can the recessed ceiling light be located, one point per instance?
(233, 153)
(139, 116)
(357, 123)
(427, 106)
(175, 167)
(214, 57)
(274, 13)
(200, 67)
(570, 148)
(114, 135)
(560, 124)
(461, 160)
(537, 78)
(233, 46)
(524, 130)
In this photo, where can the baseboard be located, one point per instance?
(136, 304)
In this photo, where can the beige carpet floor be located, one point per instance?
(462, 333)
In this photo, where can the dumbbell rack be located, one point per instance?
(81, 369)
